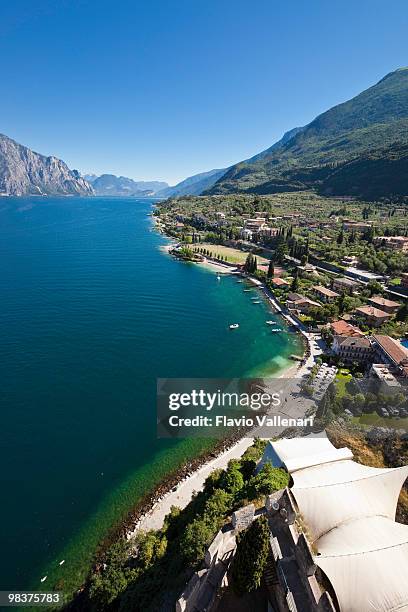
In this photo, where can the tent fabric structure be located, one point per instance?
(299, 453)
(349, 509)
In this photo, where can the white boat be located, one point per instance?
(271, 323)
(246, 290)
(240, 281)
(234, 326)
(61, 562)
(256, 302)
(276, 330)
(43, 579)
(218, 277)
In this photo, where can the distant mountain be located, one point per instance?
(344, 151)
(109, 184)
(193, 185)
(24, 172)
(90, 177)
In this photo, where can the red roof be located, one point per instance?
(371, 311)
(394, 349)
(378, 300)
(280, 282)
(342, 328)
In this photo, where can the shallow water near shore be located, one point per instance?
(92, 313)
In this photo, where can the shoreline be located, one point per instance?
(182, 492)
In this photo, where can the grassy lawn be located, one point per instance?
(232, 255)
(374, 419)
(342, 378)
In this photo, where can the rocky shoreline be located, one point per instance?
(147, 503)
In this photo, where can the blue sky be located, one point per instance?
(165, 89)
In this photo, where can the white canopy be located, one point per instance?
(366, 562)
(326, 506)
(315, 449)
(349, 509)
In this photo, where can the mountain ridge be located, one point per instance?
(112, 185)
(372, 124)
(193, 185)
(25, 172)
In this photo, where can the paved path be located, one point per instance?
(182, 496)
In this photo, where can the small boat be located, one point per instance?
(240, 281)
(257, 302)
(218, 277)
(44, 578)
(61, 562)
(271, 323)
(234, 326)
(254, 298)
(276, 330)
(246, 290)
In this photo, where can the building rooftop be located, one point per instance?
(371, 311)
(364, 274)
(394, 349)
(355, 342)
(325, 291)
(378, 300)
(280, 282)
(342, 328)
(349, 282)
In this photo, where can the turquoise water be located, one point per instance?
(92, 311)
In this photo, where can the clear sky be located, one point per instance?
(162, 89)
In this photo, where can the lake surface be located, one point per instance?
(92, 312)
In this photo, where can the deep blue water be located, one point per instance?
(92, 311)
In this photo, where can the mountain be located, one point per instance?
(109, 184)
(344, 151)
(90, 177)
(24, 172)
(277, 146)
(193, 185)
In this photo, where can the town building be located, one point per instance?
(349, 260)
(384, 304)
(351, 349)
(357, 226)
(245, 233)
(325, 294)
(345, 285)
(342, 328)
(280, 283)
(301, 303)
(394, 243)
(364, 275)
(385, 374)
(372, 316)
(391, 352)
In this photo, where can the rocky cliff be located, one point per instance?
(24, 172)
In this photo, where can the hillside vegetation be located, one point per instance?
(356, 148)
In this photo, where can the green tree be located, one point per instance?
(233, 479)
(295, 281)
(197, 536)
(402, 314)
(251, 556)
(268, 480)
(108, 584)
